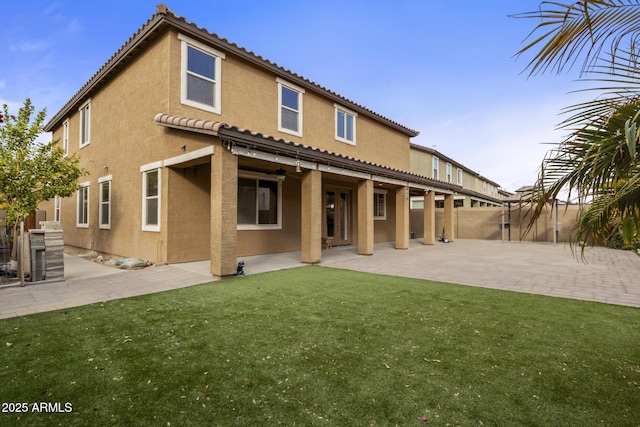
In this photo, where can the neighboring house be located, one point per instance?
(477, 191)
(198, 149)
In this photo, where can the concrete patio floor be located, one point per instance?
(604, 275)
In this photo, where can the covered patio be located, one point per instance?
(302, 196)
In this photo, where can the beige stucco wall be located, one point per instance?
(249, 100)
(188, 225)
(124, 136)
(484, 223)
(253, 242)
(385, 229)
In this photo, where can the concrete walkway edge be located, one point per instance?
(605, 275)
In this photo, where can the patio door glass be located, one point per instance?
(338, 215)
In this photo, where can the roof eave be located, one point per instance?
(152, 27)
(165, 17)
(204, 35)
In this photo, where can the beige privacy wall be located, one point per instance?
(484, 223)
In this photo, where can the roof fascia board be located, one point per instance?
(443, 157)
(314, 156)
(199, 33)
(453, 162)
(180, 24)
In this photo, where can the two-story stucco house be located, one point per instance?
(477, 190)
(198, 149)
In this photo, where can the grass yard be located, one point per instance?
(321, 346)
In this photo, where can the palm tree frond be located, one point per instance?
(580, 30)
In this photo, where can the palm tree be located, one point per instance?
(598, 162)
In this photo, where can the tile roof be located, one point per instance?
(185, 123)
(301, 151)
(438, 154)
(166, 17)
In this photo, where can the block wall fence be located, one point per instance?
(484, 223)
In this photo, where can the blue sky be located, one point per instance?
(446, 69)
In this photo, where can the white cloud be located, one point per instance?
(53, 8)
(28, 47)
(74, 26)
(505, 143)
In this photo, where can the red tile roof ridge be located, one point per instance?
(186, 122)
(163, 11)
(167, 11)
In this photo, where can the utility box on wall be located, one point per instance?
(47, 253)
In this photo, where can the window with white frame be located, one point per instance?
(459, 176)
(57, 208)
(289, 108)
(259, 202)
(345, 125)
(82, 219)
(201, 75)
(104, 219)
(65, 137)
(85, 123)
(151, 199)
(449, 172)
(435, 167)
(380, 204)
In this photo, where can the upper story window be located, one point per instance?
(449, 173)
(289, 108)
(201, 75)
(435, 167)
(85, 123)
(345, 125)
(65, 137)
(459, 176)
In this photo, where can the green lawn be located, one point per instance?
(321, 346)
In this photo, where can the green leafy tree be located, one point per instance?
(598, 162)
(31, 172)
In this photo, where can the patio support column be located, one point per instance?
(430, 218)
(402, 218)
(448, 217)
(365, 217)
(312, 213)
(224, 213)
